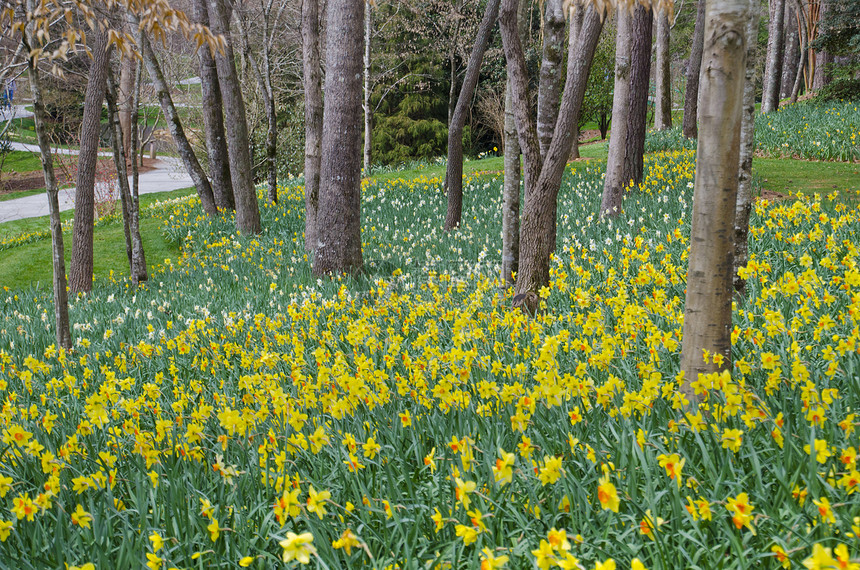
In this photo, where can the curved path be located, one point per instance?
(167, 174)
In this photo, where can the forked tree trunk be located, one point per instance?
(454, 174)
(61, 300)
(694, 66)
(708, 312)
(81, 270)
(368, 111)
(543, 178)
(174, 124)
(640, 74)
(550, 72)
(213, 120)
(615, 182)
(663, 104)
(339, 218)
(773, 69)
(238, 143)
(312, 81)
(137, 253)
(743, 205)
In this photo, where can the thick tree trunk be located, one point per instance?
(708, 313)
(791, 54)
(238, 143)
(338, 247)
(821, 76)
(543, 178)
(773, 69)
(189, 159)
(61, 299)
(550, 73)
(510, 196)
(213, 120)
(743, 204)
(640, 75)
(137, 253)
(312, 81)
(694, 66)
(81, 270)
(663, 104)
(615, 182)
(577, 13)
(454, 174)
(368, 112)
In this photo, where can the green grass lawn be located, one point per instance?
(789, 176)
(21, 161)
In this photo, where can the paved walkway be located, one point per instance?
(168, 174)
(14, 112)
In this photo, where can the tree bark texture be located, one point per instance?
(549, 83)
(663, 73)
(61, 300)
(127, 72)
(773, 69)
(708, 312)
(821, 76)
(576, 17)
(141, 274)
(312, 81)
(790, 54)
(543, 178)
(81, 270)
(174, 124)
(694, 66)
(368, 111)
(743, 204)
(615, 182)
(338, 247)
(640, 75)
(238, 143)
(213, 120)
(510, 196)
(454, 173)
(119, 160)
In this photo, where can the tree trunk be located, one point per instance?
(694, 66)
(238, 144)
(576, 16)
(189, 159)
(801, 67)
(213, 120)
(454, 174)
(81, 270)
(128, 70)
(119, 160)
(543, 178)
(550, 73)
(61, 299)
(773, 69)
(510, 196)
(312, 81)
(140, 273)
(339, 218)
(743, 204)
(663, 104)
(708, 312)
(615, 182)
(368, 112)
(821, 76)
(791, 54)
(640, 75)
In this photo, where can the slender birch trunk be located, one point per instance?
(61, 300)
(368, 111)
(773, 70)
(708, 313)
(312, 81)
(454, 174)
(174, 124)
(137, 253)
(550, 72)
(577, 11)
(119, 161)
